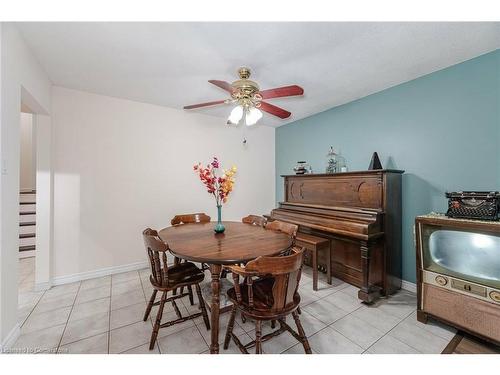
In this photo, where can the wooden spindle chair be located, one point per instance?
(281, 226)
(272, 296)
(287, 228)
(254, 220)
(198, 217)
(165, 279)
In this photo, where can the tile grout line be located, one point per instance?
(31, 311)
(69, 315)
(109, 309)
(330, 325)
(196, 325)
(401, 321)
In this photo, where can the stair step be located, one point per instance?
(27, 229)
(26, 241)
(27, 248)
(27, 224)
(27, 202)
(27, 235)
(28, 192)
(27, 208)
(27, 218)
(27, 213)
(27, 198)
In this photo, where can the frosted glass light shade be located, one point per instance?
(235, 116)
(252, 116)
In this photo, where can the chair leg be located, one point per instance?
(150, 305)
(202, 307)
(329, 266)
(315, 269)
(273, 324)
(159, 315)
(258, 337)
(298, 310)
(301, 332)
(190, 291)
(243, 319)
(229, 329)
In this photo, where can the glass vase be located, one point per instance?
(219, 227)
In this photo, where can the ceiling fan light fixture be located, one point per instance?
(235, 116)
(252, 116)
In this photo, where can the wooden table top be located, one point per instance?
(239, 243)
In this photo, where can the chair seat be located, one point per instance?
(262, 296)
(181, 274)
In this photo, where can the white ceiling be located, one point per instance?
(169, 63)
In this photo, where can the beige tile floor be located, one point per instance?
(104, 315)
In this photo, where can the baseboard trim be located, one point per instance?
(409, 286)
(11, 338)
(98, 273)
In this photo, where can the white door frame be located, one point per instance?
(44, 202)
(42, 129)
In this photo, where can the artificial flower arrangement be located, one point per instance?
(219, 186)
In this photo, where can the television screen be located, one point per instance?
(462, 254)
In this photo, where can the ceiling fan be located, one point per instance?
(249, 99)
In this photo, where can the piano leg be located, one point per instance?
(367, 293)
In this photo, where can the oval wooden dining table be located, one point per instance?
(240, 243)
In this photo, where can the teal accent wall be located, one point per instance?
(443, 129)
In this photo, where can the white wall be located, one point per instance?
(27, 169)
(21, 77)
(121, 166)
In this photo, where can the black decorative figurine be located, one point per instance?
(375, 162)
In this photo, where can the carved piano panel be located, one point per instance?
(334, 191)
(360, 212)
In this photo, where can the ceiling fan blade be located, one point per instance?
(279, 92)
(204, 104)
(273, 110)
(222, 84)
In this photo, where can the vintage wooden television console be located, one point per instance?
(458, 274)
(360, 214)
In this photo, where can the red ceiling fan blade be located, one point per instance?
(273, 110)
(279, 92)
(204, 104)
(222, 84)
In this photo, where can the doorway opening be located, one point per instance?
(27, 201)
(35, 205)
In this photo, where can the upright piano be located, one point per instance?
(360, 214)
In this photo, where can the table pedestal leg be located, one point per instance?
(215, 270)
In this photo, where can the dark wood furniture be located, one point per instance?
(165, 279)
(272, 296)
(463, 343)
(360, 214)
(199, 217)
(316, 245)
(240, 243)
(464, 304)
(283, 227)
(254, 220)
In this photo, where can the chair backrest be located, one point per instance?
(285, 270)
(157, 254)
(254, 220)
(281, 226)
(190, 218)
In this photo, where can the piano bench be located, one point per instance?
(315, 244)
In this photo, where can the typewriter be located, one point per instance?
(478, 205)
